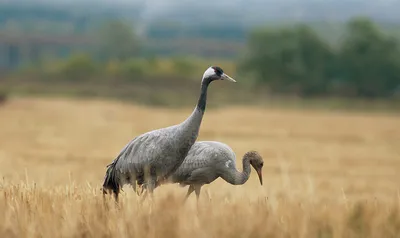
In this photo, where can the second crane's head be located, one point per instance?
(215, 73)
(257, 162)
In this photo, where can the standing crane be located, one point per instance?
(155, 155)
(209, 160)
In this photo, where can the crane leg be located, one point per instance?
(150, 179)
(104, 199)
(141, 192)
(190, 191)
(144, 195)
(135, 188)
(197, 191)
(116, 197)
(149, 188)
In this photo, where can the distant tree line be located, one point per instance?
(366, 62)
(288, 60)
(296, 60)
(170, 30)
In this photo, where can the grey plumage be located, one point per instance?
(209, 160)
(155, 155)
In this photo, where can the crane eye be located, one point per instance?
(218, 71)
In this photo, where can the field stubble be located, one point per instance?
(326, 174)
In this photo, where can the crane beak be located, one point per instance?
(260, 175)
(227, 77)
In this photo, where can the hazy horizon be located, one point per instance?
(241, 11)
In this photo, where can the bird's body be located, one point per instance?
(156, 149)
(155, 155)
(209, 160)
(205, 162)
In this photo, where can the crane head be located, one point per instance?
(216, 73)
(257, 162)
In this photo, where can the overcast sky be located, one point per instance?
(248, 8)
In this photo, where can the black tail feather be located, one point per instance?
(112, 180)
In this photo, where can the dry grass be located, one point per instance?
(326, 174)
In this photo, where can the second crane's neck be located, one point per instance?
(235, 177)
(244, 176)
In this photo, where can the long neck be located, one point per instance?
(236, 177)
(201, 103)
(191, 125)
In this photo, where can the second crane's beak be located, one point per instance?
(260, 175)
(227, 77)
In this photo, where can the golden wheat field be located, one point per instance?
(326, 174)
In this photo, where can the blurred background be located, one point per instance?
(342, 53)
(80, 78)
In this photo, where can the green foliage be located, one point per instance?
(81, 66)
(133, 69)
(3, 96)
(78, 67)
(116, 39)
(289, 60)
(370, 61)
(183, 66)
(296, 61)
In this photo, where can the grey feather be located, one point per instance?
(209, 160)
(155, 155)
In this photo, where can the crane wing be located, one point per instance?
(202, 176)
(203, 160)
(147, 149)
